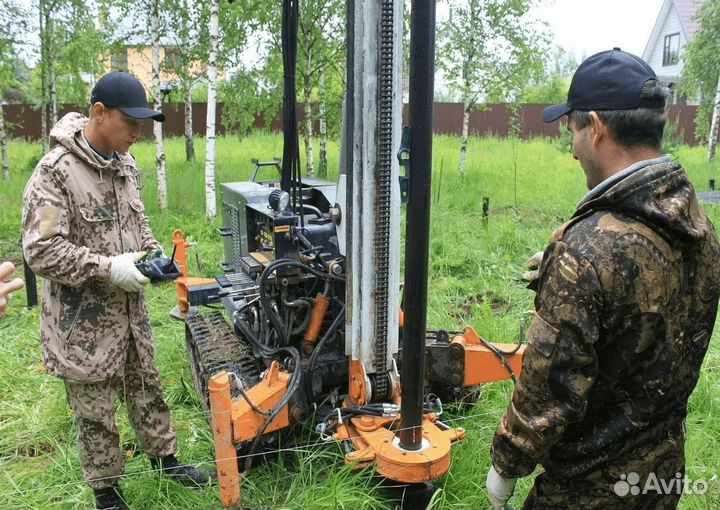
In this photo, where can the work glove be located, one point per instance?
(499, 489)
(533, 267)
(124, 274)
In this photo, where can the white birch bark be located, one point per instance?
(189, 142)
(464, 143)
(210, 200)
(157, 104)
(307, 107)
(712, 139)
(322, 166)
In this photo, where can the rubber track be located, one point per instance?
(212, 348)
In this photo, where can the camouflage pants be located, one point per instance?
(94, 404)
(597, 490)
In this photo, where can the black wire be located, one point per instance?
(293, 385)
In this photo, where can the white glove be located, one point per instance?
(499, 489)
(124, 274)
(533, 264)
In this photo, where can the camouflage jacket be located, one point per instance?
(627, 298)
(78, 211)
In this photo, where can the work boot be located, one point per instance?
(186, 475)
(110, 498)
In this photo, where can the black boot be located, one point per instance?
(110, 498)
(186, 475)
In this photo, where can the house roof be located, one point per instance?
(686, 10)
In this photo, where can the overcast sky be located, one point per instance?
(584, 27)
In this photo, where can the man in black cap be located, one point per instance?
(626, 302)
(84, 229)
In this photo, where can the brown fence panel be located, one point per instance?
(491, 120)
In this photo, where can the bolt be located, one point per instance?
(455, 379)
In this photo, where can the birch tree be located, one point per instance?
(214, 29)
(712, 138)
(12, 26)
(69, 45)
(320, 24)
(488, 49)
(157, 103)
(187, 22)
(701, 73)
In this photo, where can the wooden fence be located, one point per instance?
(492, 120)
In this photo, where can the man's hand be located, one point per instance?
(533, 265)
(124, 274)
(500, 489)
(6, 288)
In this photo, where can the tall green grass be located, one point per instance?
(475, 263)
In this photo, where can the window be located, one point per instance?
(671, 49)
(119, 61)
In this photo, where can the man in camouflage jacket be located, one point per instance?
(627, 297)
(84, 228)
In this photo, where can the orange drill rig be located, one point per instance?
(311, 281)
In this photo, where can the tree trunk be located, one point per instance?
(463, 146)
(43, 78)
(3, 145)
(53, 94)
(307, 107)
(157, 103)
(322, 166)
(712, 139)
(210, 200)
(189, 142)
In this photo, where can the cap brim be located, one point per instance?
(554, 112)
(143, 113)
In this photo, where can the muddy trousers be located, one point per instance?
(94, 405)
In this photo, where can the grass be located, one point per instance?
(474, 267)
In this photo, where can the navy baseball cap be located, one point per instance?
(610, 80)
(126, 93)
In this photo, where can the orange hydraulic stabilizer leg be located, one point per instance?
(185, 282)
(469, 360)
(234, 421)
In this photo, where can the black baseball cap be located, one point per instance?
(124, 92)
(610, 80)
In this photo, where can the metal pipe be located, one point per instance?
(417, 239)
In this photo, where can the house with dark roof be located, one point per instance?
(674, 28)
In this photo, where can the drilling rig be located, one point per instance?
(320, 329)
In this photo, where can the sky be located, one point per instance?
(585, 27)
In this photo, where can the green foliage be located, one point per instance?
(474, 268)
(12, 27)
(702, 65)
(489, 49)
(550, 91)
(672, 137)
(70, 50)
